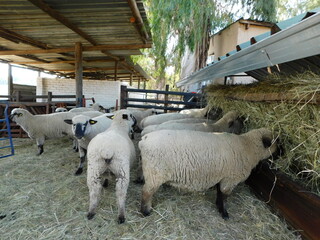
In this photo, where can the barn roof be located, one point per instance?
(42, 34)
(291, 47)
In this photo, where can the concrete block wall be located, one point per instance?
(106, 93)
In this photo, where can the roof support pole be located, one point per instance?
(10, 80)
(139, 82)
(78, 73)
(131, 79)
(115, 70)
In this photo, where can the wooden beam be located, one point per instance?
(78, 71)
(60, 18)
(10, 80)
(137, 21)
(17, 38)
(131, 79)
(71, 49)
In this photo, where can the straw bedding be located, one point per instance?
(288, 106)
(40, 198)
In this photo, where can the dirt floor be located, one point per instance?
(41, 198)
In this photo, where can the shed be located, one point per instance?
(75, 39)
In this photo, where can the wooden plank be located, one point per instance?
(298, 206)
(71, 49)
(78, 71)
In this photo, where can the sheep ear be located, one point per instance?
(111, 116)
(68, 121)
(125, 116)
(231, 124)
(266, 142)
(91, 121)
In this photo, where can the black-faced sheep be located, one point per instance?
(45, 126)
(84, 129)
(197, 161)
(111, 151)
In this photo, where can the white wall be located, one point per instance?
(106, 93)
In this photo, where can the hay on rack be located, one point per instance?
(291, 108)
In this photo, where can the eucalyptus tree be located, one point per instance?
(178, 25)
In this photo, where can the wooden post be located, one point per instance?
(139, 83)
(78, 72)
(18, 96)
(10, 82)
(123, 97)
(115, 70)
(144, 84)
(166, 98)
(49, 100)
(131, 78)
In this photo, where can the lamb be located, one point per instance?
(111, 151)
(230, 122)
(197, 161)
(44, 126)
(84, 129)
(158, 119)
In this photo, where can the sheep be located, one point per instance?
(84, 129)
(44, 126)
(197, 161)
(141, 114)
(230, 122)
(158, 119)
(61, 109)
(112, 151)
(94, 107)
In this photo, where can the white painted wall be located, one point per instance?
(106, 93)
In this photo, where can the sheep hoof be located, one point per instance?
(145, 212)
(225, 215)
(121, 220)
(78, 172)
(139, 180)
(90, 215)
(105, 183)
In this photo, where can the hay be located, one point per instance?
(295, 120)
(40, 198)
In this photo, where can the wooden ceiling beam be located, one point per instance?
(63, 20)
(66, 61)
(71, 49)
(18, 38)
(137, 21)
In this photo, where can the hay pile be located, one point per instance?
(291, 108)
(40, 198)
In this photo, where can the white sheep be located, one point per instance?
(140, 114)
(44, 126)
(84, 129)
(230, 122)
(111, 151)
(61, 109)
(158, 119)
(94, 107)
(197, 161)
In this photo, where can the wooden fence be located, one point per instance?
(165, 100)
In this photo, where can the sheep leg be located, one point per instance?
(220, 203)
(40, 142)
(95, 188)
(140, 178)
(94, 173)
(121, 192)
(83, 153)
(146, 201)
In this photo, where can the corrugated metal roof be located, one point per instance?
(286, 49)
(118, 28)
